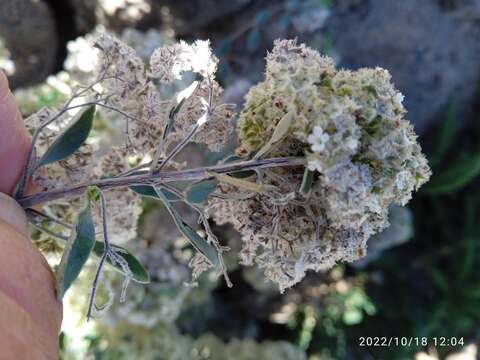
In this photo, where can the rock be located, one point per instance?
(399, 232)
(28, 30)
(84, 14)
(188, 16)
(431, 52)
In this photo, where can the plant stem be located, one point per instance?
(106, 250)
(176, 150)
(145, 178)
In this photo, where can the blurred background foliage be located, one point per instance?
(421, 276)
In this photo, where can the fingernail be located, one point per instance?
(4, 87)
(12, 213)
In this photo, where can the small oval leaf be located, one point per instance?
(307, 181)
(139, 273)
(199, 243)
(149, 191)
(238, 174)
(71, 139)
(77, 250)
(279, 133)
(199, 192)
(242, 184)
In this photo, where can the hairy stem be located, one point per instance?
(29, 166)
(145, 178)
(106, 250)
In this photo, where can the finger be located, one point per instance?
(27, 287)
(12, 213)
(14, 139)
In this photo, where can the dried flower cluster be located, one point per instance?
(330, 152)
(362, 156)
(122, 87)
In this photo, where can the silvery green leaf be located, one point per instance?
(71, 139)
(198, 242)
(242, 184)
(455, 177)
(149, 191)
(77, 250)
(307, 181)
(238, 174)
(138, 273)
(199, 192)
(281, 130)
(93, 194)
(171, 118)
(172, 115)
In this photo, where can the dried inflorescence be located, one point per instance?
(361, 153)
(125, 89)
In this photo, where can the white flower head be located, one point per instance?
(202, 61)
(168, 63)
(398, 100)
(318, 138)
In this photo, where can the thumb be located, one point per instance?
(14, 139)
(30, 314)
(13, 214)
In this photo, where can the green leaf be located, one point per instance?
(470, 240)
(70, 140)
(199, 192)
(279, 133)
(445, 138)
(307, 181)
(77, 250)
(172, 115)
(456, 177)
(139, 273)
(171, 118)
(198, 242)
(238, 174)
(242, 184)
(439, 280)
(93, 194)
(149, 191)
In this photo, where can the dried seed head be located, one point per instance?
(364, 155)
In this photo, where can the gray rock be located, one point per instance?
(432, 53)
(28, 30)
(400, 231)
(188, 16)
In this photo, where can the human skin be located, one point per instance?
(30, 314)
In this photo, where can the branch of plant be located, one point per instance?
(145, 178)
(211, 236)
(107, 253)
(30, 165)
(177, 149)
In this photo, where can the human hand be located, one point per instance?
(30, 314)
